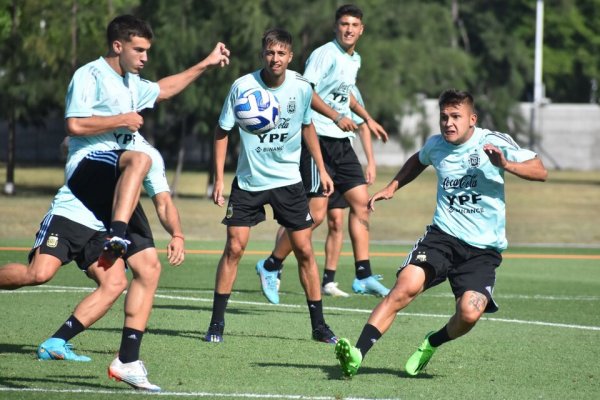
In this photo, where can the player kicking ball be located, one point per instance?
(268, 173)
(467, 235)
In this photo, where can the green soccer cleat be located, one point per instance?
(348, 356)
(421, 357)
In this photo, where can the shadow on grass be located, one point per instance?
(78, 382)
(333, 371)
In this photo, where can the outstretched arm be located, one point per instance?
(409, 171)
(532, 170)
(169, 218)
(373, 125)
(174, 84)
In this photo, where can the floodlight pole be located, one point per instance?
(537, 79)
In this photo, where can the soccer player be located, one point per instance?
(467, 235)
(335, 213)
(70, 232)
(103, 102)
(268, 173)
(332, 70)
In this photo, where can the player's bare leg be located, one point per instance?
(134, 166)
(309, 277)
(42, 268)
(333, 249)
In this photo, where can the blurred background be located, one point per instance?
(411, 51)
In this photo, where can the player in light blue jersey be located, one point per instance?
(71, 232)
(467, 236)
(103, 103)
(332, 70)
(268, 173)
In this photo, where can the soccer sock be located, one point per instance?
(362, 269)
(315, 309)
(117, 228)
(367, 339)
(131, 340)
(440, 337)
(328, 276)
(273, 263)
(71, 328)
(219, 306)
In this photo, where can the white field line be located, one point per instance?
(160, 295)
(180, 394)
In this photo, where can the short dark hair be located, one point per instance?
(276, 36)
(348, 9)
(124, 27)
(453, 97)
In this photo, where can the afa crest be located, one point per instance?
(229, 212)
(52, 241)
(474, 160)
(291, 107)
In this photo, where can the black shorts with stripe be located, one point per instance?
(68, 241)
(466, 267)
(341, 164)
(93, 182)
(289, 204)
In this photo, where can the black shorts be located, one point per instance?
(336, 200)
(466, 267)
(341, 164)
(68, 241)
(289, 204)
(93, 183)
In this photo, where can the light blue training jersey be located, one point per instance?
(470, 189)
(271, 160)
(67, 205)
(332, 72)
(97, 90)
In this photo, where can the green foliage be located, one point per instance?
(409, 49)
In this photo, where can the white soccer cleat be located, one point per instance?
(133, 373)
(331, 289)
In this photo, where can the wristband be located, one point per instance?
(338, 118)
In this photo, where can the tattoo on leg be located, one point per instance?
(365, 223)
(478, 301)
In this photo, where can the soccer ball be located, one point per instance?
(256, 111)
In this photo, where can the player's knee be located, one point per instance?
(470, 315)
(39, 276)
(115, 285)
(235, 249)
(138, 161)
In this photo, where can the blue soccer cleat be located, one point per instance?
(58, 349)
(268, 282)
(370, 285)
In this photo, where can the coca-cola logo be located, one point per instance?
(467, 181)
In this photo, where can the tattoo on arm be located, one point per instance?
(478, 301)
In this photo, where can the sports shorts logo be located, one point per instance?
(229, 212)
(52, 241)
(422, 257)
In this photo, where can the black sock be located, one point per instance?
(367, 339)
(362, 269)
(273, 263)
(131, 340)
(117, 228)
(328, 276)
(315, 309)
(440, 337)
(219, 306)
(71, 328)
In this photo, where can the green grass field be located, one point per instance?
(542, 344)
